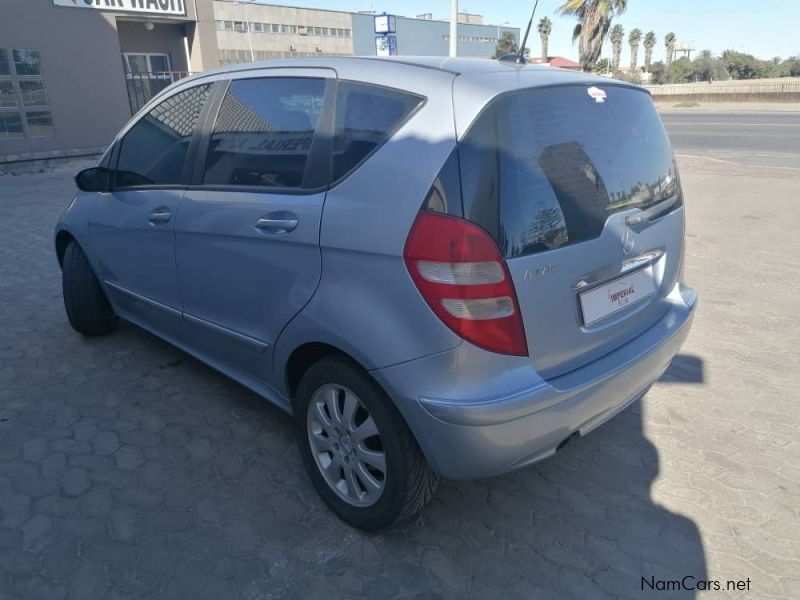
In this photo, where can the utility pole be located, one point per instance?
(247, 27)
(453, 27)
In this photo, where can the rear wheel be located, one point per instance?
(88, 309)
(357, 450)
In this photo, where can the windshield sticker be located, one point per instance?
(596, 93)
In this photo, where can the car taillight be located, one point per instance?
(460, 272)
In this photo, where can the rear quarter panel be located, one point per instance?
(366, 303)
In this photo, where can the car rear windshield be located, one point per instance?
(542, 168)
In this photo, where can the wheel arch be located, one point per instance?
(63, 239)
(305, 355)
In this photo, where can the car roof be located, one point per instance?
(358, 67)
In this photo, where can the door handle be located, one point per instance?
(160, 215)
(277, 223)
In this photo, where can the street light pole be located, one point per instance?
(247, 25)
(499, 25)
(453, 27)
(249, 34)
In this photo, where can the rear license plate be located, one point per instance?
(613, 297)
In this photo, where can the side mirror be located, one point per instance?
(95, 179)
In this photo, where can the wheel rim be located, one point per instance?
(346, 445)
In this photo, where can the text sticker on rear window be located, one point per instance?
(596, 93)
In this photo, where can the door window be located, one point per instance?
(264, 132)
(366, 117)
(154, 149)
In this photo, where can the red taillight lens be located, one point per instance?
(459, 271)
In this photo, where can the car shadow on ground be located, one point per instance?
(685, 368)
(581, 524)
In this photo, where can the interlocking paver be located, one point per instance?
(130, 470)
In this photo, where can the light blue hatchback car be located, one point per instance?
(441, 268)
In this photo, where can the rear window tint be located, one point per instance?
(366, 117)
(546, 167)
(264, 131)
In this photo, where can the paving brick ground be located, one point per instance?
(130, 470)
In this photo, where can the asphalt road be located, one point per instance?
(760, 138)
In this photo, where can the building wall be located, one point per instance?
(81, 68)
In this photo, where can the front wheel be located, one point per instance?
(357, 450)
(88, 309)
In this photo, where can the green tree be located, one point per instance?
(680, 71)
(545, 27)
(603, 66)
(744, 66)
(708, 68)
(704, 67)
(617, 36)
(658, 73)
(669, 44)
(791, 67)
(594, 20)
(507, 44)
(634, 37)
(649, 44)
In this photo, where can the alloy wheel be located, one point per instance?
(346, 445)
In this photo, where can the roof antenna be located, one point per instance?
(519, 58)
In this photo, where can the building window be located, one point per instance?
(33, 93)
(10, 126)
(21, 88)
(27, 62)
(8, 98)
(40, 123)
(257, 27)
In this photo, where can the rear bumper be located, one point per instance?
(465, 438)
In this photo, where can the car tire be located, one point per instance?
(408, 483)
(88, 309)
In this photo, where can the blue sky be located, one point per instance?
(765, 28)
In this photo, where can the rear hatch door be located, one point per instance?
(578, 185)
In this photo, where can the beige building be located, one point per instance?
(247, 31)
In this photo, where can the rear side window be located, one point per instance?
(264, 131)
(366, 117)
(543, 168)
(154, 149)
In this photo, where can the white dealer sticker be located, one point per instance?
(596, 93)
(605, 300)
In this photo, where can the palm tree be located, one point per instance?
(617, 37)
(545, 27)
(633, 39)
(649, 44)
(669, 43)
(594, 18)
